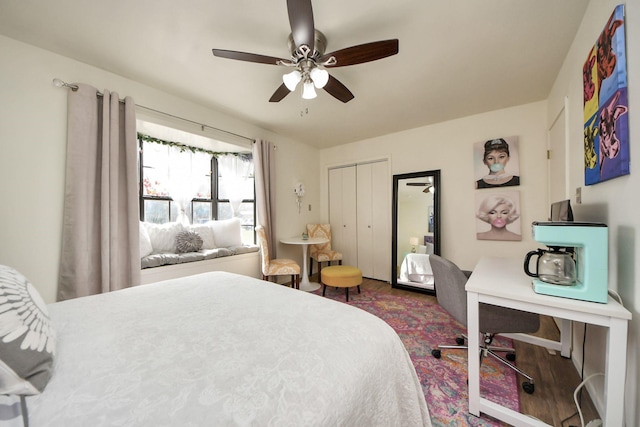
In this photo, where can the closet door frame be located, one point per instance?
(380, 219)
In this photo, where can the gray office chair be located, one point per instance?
(449, 285)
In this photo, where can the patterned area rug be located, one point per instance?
(422, 325)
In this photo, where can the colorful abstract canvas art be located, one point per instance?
(606, 122)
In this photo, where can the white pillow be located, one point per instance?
(27, 337)
(145, 241)
(429, 247)
(227, 232)
(206, 233)
(163, 236)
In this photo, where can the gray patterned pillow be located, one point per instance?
(27, 338)
(188, 241)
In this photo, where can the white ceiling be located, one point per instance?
(456, 57)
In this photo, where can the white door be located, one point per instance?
(365, 220)
(342, 213)
(381, 219)
(374, 241)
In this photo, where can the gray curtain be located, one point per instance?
(263, 164)
(100, 231)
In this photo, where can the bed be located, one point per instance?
(415, 270)
(226, 350)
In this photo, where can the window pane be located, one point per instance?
(235, 188)
(224, 211)
(246, 214)
(201, 212)
(155, 171)
(175, 212)
(156, 211)
(201, 175)
(247, 222)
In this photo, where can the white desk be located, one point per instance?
(305, 285)
(502, 282)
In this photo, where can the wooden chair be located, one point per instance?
(321, 253)
(278, 266)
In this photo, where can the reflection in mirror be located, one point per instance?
(416, 229)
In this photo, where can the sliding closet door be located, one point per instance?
(373, 205)
(365, 220)
(381, 219)
(342, 213)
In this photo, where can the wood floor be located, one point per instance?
(555, 377)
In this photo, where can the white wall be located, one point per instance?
(448, 146)
(613, 202)
(32, 156)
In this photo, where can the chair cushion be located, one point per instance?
(327, 256)
(282, 266)
(341, 276)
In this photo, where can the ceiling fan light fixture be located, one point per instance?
(292, 79)
(320, 77)
(308, 91)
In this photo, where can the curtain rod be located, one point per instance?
(59, 83)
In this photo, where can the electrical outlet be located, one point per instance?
(578, 195)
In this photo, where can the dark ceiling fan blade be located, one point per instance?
(249, 57)
(301, 21)
(280, 93)
(338, 90)
(363, 53)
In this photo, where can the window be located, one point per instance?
(189, 184)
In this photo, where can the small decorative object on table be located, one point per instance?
(305, 236)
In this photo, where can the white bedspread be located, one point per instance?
(218, 349)
(416, 268)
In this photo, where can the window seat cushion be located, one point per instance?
(158, 260)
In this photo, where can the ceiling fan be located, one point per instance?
(308, 60)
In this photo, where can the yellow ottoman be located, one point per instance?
(341, 276)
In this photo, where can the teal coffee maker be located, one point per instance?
(576, 263)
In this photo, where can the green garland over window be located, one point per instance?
(184, 147)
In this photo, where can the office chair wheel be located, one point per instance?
(511, 357)
(459, 340)
(528, 387)
(436, 353)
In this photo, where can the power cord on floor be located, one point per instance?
(584, 340)
(577, 394)
(592, 423)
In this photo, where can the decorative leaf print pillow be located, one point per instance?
(27, 338)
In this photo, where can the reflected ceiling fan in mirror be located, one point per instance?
(428, 186)
(308, 60)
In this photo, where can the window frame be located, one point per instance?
(214, 201)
